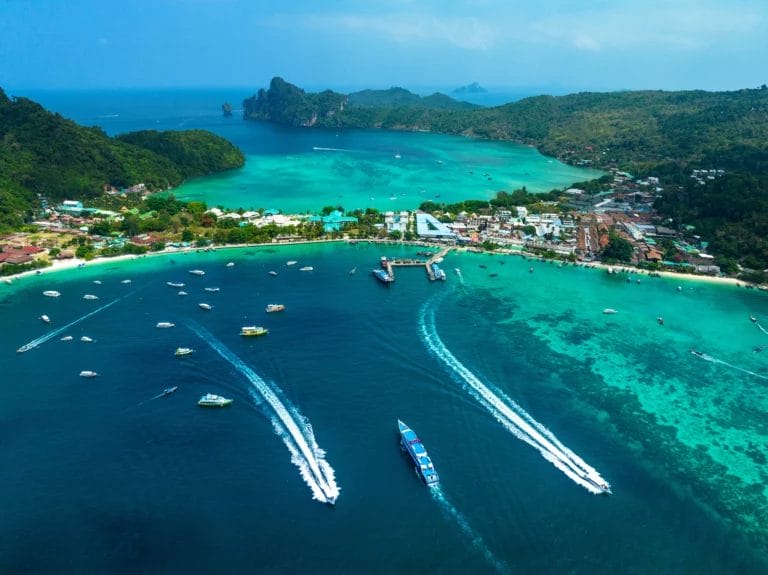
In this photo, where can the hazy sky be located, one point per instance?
(558, 44)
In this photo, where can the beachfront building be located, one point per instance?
(334, 221)
(427, 226)
(396, 222)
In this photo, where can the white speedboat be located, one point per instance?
(175, 284)
(45, 318)
(306, 269)
(291, 263)
(163, 324)
(51, 293)
(211, 289)
(97, 282)
(272, 272)
(197, 272)
(125, 282)
(273, 307)
(66, 338)
(90, 296)
(230, 264)
(87, 373)
(609, 311)
(212, 400)
(86, 339)
(205, 306)
(182, 293)
(183, 351)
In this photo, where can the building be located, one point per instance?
(396, 222)
(334, 221)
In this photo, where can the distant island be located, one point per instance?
(473, 88)
(44, 155)
(226, 109)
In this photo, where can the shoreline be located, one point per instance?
(75, 263)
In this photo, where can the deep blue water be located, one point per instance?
(98, 478)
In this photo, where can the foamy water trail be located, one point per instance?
(43, 338)
(513, 417)
(321, 149)
(761, 328)
(461, 521)
(292, 427)
(709, 358)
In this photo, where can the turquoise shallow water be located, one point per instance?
(106, 481)
(298, 170)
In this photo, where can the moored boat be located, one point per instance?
(438, 272)
(86, 339)
(197, 272)
(66, 338)
(182, 292)
(45, 318)
(212, 400)
(273, 307)
(164, 324)
(272, 272)
(609, 311)
(411, 444)
(51, 293)
(382, 276)
(306, 269)
(183, 351)
(291, 263)
(175, 284)
(90, 296)
(125, 282)
(87, 373)
(253, 330)
(230, 264)
(211, 289)
(205, 306)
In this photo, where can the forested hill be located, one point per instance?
(42, 152)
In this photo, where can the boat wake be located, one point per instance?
(292, 427)
(711, 359)
(450, 511)
(513, 417)
(761, 328)
(43, 338)
(321, 149)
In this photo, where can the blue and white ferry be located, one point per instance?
(412, 445)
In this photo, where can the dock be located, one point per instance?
(389, 264)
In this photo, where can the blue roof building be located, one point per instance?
(334, 221)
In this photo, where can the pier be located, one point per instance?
(389, 264)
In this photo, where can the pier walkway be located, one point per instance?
(390, 264)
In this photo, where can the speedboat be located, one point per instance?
(90, 296)
(253, 330)
(660, 320)
(230, 264)
(175, 284)
(212, 400)
(163, 324)
(197, 272)
(698, 353)
(183, 351)
(45, 318)
(272, 272)
(87, 373)
(97, 282)
(125, 282)
(291, 263)
(753, 319)
(275, 307)
(306, 269)
(51, 293)
(205, 306)
(169, 390)
(211, 289)
(182, 293)
(66, 338)
(609, 311)
(352, 271)
(457, 271)
(86, 339)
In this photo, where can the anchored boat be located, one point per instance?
(382, 276)
(253, 330)
(273, 307)
(411, 444)
(211, 400)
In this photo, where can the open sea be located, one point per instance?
(509, 372)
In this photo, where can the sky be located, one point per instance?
(551, 47)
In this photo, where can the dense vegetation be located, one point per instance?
(44, 153)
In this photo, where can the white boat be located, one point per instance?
(211, 289)
(273, 307)
(182, 293)
(291, 263)
(90, 296)
(97, 282)
(125, 282)
(66, 338)
(272, 272)
(51, 293)
(86, 339)
(230, 264)
(88, 373)
(45, 318)
(609, 311)
(306, 269)
(165, 324)
(205, 306)
(175, 284)
(457, 271)
(183, 351)
(212, 400)
(197, 272)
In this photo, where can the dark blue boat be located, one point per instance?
(412, 445)
(382, 276)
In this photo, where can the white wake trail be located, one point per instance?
(461, 521)
(43, 338)
(289, 424)
(513, 417)
(709, 358)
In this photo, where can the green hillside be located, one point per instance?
(44, 153)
